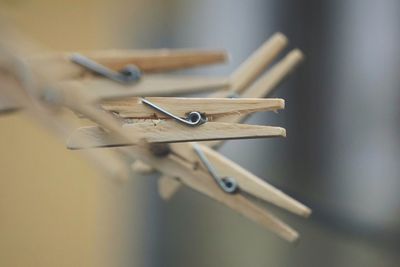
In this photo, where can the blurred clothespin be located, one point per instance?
(120, 104)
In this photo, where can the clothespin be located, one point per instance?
(171, 119)
(232, 181)
(127, 115)
(58, 66)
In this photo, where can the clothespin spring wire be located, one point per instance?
(127, 75)
(227, 184)
(194, 118)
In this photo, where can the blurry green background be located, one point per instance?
(341, 156)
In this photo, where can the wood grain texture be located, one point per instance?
(247, 181)
(175, 166)
(211, 107)
(200, 181)
(263, 87)
(197, 179)
(266, 84)
(162, 131)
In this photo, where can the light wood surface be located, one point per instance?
(200, 181)
(247, 181)
(158, 60)
(213, 108)
(175, 166)
(267, 83)
(263, 87)
(162, 131)
(154, 85)
(257, 62)
(148, 61)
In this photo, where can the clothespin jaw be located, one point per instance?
(154, 126)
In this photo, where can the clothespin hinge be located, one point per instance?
(227, 184)
(194, 118)
(127, 75)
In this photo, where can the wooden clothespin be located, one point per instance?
(119, 103)
(171, 119)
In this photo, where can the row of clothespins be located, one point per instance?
(130, 109)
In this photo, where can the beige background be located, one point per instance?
(51, 200)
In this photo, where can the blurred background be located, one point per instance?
(341, 156)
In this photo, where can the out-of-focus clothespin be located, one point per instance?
(117, 99)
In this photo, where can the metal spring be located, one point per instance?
(127, 75)
(227, 184)
(194, 118)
